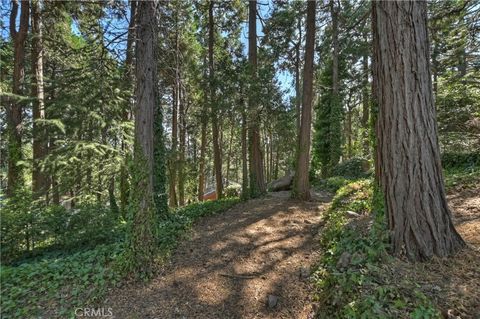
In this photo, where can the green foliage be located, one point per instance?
(460, 160)
(54, 287)
(352, 168)
(332, 184)
(358, 289)
(233, 190)
(327, 139)
(29, 231)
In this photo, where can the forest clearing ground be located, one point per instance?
(232, 263)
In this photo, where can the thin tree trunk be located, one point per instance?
(217, 161)
(181, 158)
(39, 181)
(408, 154)
(173, 156)
(230, 143)
(245, 191)
(129, 82)
(257, 178)
(365, 104)
(302, 183)
(15, 109)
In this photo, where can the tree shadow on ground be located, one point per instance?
(230, 265)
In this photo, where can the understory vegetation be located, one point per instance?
(54, 282)
(356, 275)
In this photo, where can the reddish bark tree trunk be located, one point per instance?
(257, 178)
(408, 154)
(39, 180)
(302, 184)
(217, 160)
(15, 109)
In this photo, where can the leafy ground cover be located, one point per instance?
(357, 278)
(53, 286)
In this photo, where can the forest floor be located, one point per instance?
(235, 260)
(252, 261)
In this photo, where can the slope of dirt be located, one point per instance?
(232, 263)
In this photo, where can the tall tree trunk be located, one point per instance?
(298, 94)
(15, 109)
(129, 82)
(365, 103)
(407, 147)
(302, 183)
(181, 153)
(173, 156)
(217, 161)
(335, 52)
(142, 232)
(257, 178)
(230, 144)
(39, 180)
(245, 191)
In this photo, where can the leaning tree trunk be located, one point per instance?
(410, 173)
(14, 110)
(142, 232)
(39, 179)
(302, 184)
(257, 179)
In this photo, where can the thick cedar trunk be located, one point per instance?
(14, 110)
(257, 179)
(407, 147)
(142, 240)
(39, 180)
(217, 160)
(302, 183)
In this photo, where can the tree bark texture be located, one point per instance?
(257, 178)
(217, 157)
(39, 179)
(302, 183)
(408, 157)
(142, 239)
(15, 109)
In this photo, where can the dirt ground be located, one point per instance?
(232, 263)
(265, 247)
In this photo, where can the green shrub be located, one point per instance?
(332, 184)
(352, 168)
(29, 231)
(233, 190)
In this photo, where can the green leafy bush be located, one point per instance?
(233, 190)
(332, 184)
(31, 231)
(352, 168)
